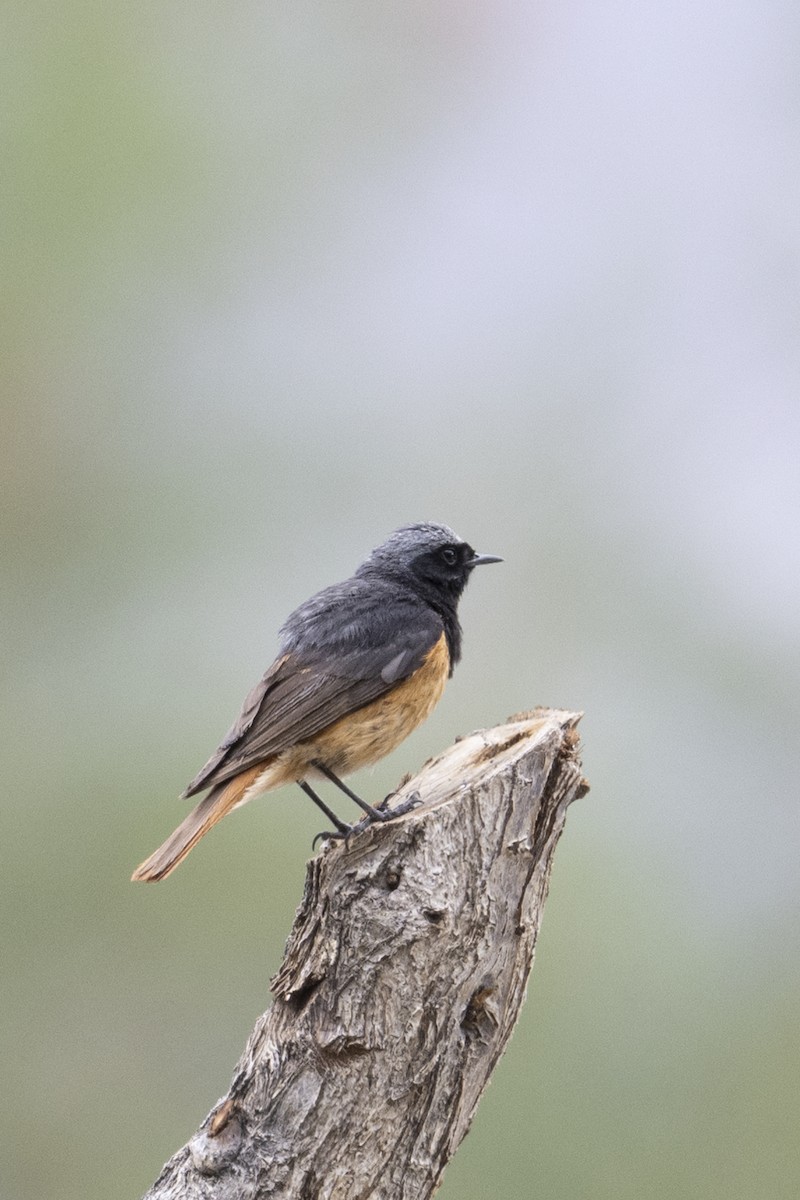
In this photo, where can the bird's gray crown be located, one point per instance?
(409, 541)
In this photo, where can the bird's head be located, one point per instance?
(429, 558)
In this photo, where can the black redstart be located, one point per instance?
(361, 664)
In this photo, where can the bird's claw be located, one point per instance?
(334, 835)
(412, 801)
(379, 814)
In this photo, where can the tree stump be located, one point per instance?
(403, 977)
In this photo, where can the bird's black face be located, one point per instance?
(448, 566)
(429, 558)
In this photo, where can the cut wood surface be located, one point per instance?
(403, 977)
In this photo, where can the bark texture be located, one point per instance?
(403, 977)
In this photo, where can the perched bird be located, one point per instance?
(360, 665)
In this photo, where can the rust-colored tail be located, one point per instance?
(212, 808)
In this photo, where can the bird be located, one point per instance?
(360, 665)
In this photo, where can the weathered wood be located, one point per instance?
(403, 977)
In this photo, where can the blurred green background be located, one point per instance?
(277, 279)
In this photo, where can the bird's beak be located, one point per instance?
(480, 559)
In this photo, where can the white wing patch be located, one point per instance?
(394, 668)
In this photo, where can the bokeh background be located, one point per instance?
(277, 279)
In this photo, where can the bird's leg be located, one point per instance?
(374, 813)
(341, 830)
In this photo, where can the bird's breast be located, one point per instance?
(369, 733)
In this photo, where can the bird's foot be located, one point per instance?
(412, 801)
(378, 815)
(342, 832)
(333, 835)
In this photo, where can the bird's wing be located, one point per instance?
(321, 679)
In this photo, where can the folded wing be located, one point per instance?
(310, 686)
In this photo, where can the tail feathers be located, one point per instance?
(212, 808)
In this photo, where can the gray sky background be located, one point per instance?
(276, 281)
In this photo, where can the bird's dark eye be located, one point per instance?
(449, 556)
